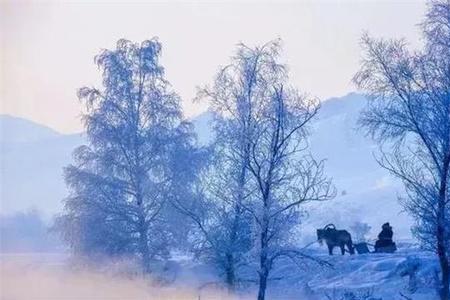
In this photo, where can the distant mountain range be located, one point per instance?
(32, 158)
(33, 155)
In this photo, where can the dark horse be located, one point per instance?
(334, 237)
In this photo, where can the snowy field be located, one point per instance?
(369, 276)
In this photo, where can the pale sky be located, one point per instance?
(47, 48)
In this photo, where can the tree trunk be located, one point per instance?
(230, 275)
(443, 259)
(263, 262)
(441, 236)
(442, 253)
(230, 268)
(143, 245)
(262, 284)
(445, 277)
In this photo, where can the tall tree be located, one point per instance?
(410, 107)
(285, 174)
(262, 130)
(121, 181)
(223, 222)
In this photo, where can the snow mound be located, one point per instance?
(409, 272)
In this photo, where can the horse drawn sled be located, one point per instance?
(342, 239)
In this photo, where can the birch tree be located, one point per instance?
(233, 98)
(262, 131)
(120, 181)
(286, 175)
(410, 107)
(222, 235)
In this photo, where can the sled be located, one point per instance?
(362, 248)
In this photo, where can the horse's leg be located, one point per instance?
(342, 249)
(330, 249)
(350, 247)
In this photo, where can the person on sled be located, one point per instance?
(384, 244)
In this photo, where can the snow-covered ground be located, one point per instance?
(380, 276)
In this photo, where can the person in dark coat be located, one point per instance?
(386, 233)
(384, 242)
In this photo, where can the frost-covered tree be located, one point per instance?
(285, 174)
(267, 120)
(224, 223)
(185, 165)
(410, 107)
(260, 172)
(223, 229)
(120, 183)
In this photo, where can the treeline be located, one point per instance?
(143, 187)
(26, 231)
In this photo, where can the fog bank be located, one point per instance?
(22, 278)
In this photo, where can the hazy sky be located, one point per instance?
(47, 48)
